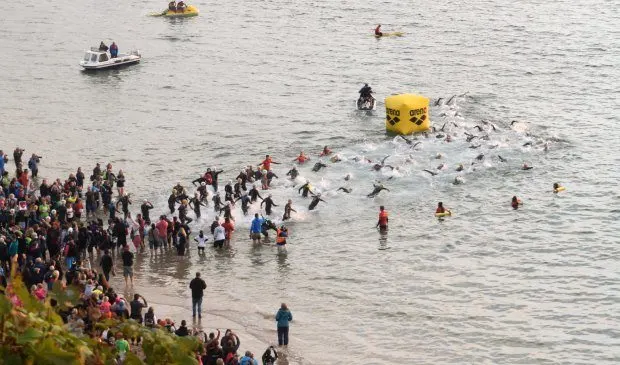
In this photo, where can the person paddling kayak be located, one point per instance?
(378, 32)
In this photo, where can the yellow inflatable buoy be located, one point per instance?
(406, 114)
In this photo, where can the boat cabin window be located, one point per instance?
(103, 57)
(86, 56)
(94, 58)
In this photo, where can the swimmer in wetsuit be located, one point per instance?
(245, 201)
(268, 204)
(526, 167)
(315, 201)
(346, 190)
(305, 189)
(378, 167)
(254, 194)
(377, 190)
(217, 202)
(317, 166)
(195, 204)
(293, 173)
(288, 208)
(515, 202)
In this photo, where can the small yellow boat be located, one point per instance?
(190, 10)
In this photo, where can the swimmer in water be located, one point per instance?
(293, 173)
(326, 152)
(377, 190)
(217, 202)
(315, 200)
(557, 188)
(266, 164)
(245, 201)
(288, 208)
(515, 202)
(347, 177)
(254, 194)
(301, 158)
(346, 190)
(317, 166)
(305, 189)
(227, 209)
(431, 172)
(448, 138)
(202, 190)
(378, 167)
(335, 158)
(501, 159)
(268, 204)
(440, 209)
(480, 157)
(441, 166)
(526, 167)
(460, 168)
(474, 146)
(457, 180)
(195, 204)
(438, 156)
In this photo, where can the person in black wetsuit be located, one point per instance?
(195, 204)
(293, 173)
(245, 201)
(315, 201)
(304, 189)
(268, 204)
(125, 202)
(214, 176)
(217, 202)
(317, 166)
(377, 190)
(145, 208)
(254, 194)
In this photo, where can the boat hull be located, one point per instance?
(110, 65)
(189, 12)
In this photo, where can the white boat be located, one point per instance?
(94, 59)
(366, 103)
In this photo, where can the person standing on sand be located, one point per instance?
(198, 286)
(127, 257)
(283, 317)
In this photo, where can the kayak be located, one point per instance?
(391, 34)
(190, 10)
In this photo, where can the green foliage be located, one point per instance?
(35, 334)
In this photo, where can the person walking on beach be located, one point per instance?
(127, 265)
(283, 317)
(198, 286)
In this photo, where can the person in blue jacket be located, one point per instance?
(256, 228)
(283, 317)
